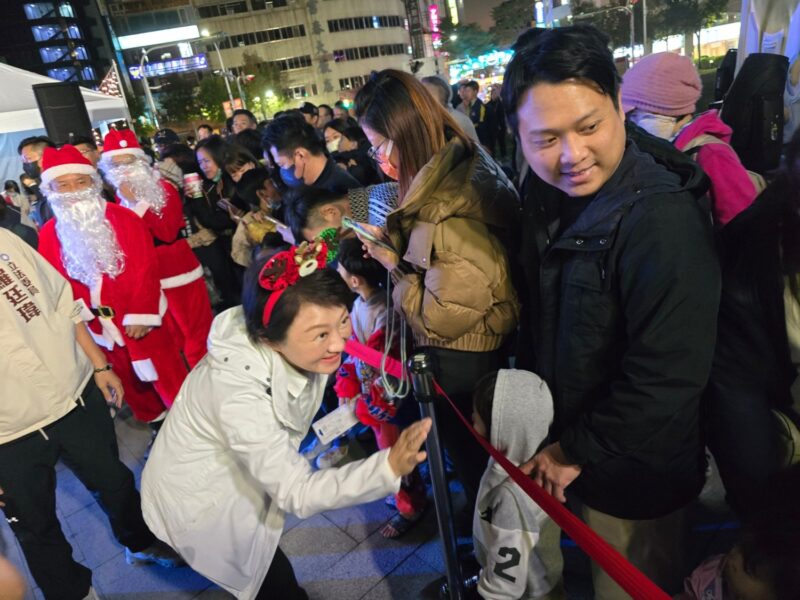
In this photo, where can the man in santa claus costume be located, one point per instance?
(157, 202)
(107, 254)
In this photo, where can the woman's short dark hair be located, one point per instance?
(237, 156)
(483, 399)
(183, 156)
(10, 184)
(324, 287)
(348, 128)
(351, 257)
(215, 146)
(578, 52)
(250, 139)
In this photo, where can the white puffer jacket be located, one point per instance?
(225, 468)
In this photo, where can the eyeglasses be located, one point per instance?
(375, 151)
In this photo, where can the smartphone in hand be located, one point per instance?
(362, 232)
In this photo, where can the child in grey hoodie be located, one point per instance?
(516, 543)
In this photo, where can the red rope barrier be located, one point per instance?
(629, 578)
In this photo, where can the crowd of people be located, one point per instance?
(623, 298)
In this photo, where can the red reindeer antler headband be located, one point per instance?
(286, 268)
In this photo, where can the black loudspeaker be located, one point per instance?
(63, 111)
(725, 74)
(753, 107)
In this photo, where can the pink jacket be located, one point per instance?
(731, 188)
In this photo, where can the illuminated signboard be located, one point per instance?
(433, 12)
(167, 67)
(492, 62)
(433, 17)
(162, 36)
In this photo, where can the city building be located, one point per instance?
(64, 40)
(325, 49)
(164, 28)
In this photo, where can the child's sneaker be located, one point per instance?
(332, 457)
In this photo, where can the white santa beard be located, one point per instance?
(144, 182)
(89, 247)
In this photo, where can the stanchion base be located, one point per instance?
(470, 588)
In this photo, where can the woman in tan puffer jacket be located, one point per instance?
(451, 274)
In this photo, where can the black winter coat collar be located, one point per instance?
(639, 175)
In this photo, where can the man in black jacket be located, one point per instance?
(300, 153)
(624, 289)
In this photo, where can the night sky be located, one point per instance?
(480, 11)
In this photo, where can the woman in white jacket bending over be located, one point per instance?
(225, 466)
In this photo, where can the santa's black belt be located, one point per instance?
(106, 312)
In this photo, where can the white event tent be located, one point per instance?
(20, 118)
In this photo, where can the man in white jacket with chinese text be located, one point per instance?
(54, 384)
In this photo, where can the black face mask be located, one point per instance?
(32, 169)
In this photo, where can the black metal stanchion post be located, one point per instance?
(424, 392)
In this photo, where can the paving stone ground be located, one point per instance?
(337, 555)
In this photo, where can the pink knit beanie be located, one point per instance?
(664, 83)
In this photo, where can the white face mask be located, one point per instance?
(333, 145)
(658, 125)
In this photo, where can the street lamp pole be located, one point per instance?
(633, 31)
(224, 70)
(239, 87)
(644, 25)
(147, 93)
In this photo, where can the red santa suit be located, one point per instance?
(180, 272)
(133, 297)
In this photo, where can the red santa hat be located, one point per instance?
(121, 141)
(65, 161)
